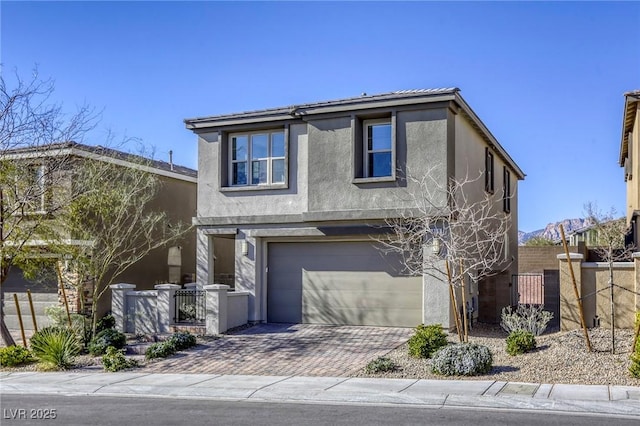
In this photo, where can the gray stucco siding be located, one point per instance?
(421, 141)
(215, 201)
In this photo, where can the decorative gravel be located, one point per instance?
(560, 357)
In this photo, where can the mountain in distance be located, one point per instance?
(552, 230)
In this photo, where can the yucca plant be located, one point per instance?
(55, 347)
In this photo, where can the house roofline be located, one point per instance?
(488, 136)
(109, 155)
(631, 101)
(391, 99)
(295, 111)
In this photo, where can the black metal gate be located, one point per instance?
(190, 307)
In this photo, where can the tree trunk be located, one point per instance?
(613, 312)
(7, 339)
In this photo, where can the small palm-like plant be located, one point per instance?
(55, 347)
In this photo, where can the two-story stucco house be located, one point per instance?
(630, 161)
(290, 201)
(55, 162)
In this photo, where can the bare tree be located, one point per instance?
(115, 213)
(29, 121)
(610, 236)
(453, 232)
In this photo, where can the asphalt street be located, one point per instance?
(84, 410)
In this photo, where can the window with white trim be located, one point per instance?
(378, 148)
(257, 158)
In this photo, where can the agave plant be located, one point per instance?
(55, 347)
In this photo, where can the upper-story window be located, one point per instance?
(488, 171)
(257, 158)
(378, 148)
(374, 147)
(506, 191)
(29, 192)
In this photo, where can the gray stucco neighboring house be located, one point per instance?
(290, 200)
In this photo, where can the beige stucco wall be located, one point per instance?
(592, 281)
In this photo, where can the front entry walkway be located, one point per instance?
(286, 350)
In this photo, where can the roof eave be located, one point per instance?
(304, 110)
(630, 108)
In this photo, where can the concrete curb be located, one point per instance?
(610, 400)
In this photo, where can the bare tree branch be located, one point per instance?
(449, 225)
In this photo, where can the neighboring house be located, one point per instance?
(630, 161)
(177, 197)
(290, 201)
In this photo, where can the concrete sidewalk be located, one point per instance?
(611, 400)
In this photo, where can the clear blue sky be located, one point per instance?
(546, 78)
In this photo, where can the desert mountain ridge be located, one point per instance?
(552, 230)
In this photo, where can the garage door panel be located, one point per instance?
(352, 316)
(340, 283)
(359, 299)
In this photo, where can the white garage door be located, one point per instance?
(340, 283)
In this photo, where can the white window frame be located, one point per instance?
(249, 161)
(366, 151)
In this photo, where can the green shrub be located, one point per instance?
(14, 355)
(106, 338)
(380, 365)
(463, 359)
(531, 318)
(520, 341)
(56, 347)
(114, 360)
(79, 323)
(426, 340)
(160, 350)
(107, 321)
(183, 340)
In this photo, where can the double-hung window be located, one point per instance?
(257, 158)
(378, 148)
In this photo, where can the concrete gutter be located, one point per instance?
(595, 399)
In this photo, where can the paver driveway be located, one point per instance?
(287, 349)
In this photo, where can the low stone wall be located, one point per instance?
(153, 311)
(238, 309)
